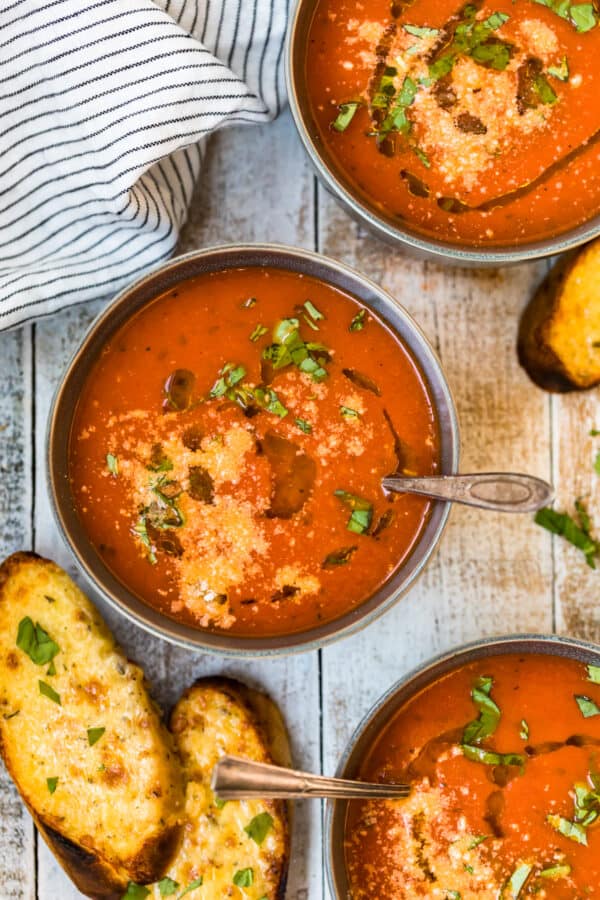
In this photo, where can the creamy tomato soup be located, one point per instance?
(228, 448)
(475, 123)
(504, 756)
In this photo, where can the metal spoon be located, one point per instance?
(502, 491)
(240, 779)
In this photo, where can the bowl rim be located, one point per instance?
(417, 678)
(417, 243)
(112, 590)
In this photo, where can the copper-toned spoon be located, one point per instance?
(241, 779)
(501, 491)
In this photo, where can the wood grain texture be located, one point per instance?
(492, 574)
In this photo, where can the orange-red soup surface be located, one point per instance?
(479, 824)
(474, 123)
(206, 474)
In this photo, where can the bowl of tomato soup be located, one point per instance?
(500, 741)
(217, 446)
(469, 132)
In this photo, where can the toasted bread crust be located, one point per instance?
(214, 717)
(554, 332)
(115, 814)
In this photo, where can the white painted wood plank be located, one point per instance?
(17, 840)
(247, 171)
(492, 574)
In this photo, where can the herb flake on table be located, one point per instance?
(565, 526)
(36, 642)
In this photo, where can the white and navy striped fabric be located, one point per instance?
(103, 108)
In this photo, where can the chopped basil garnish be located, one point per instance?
(490, 758)
(474, 38)
(582, 15)
(268, 400)
(244, 878)
(345, 115)
(489, 714)
(422, 156)
(587, 804)
(524, 731)
(288, 348)
(313, 312)
(587, 706)
(191, 887)
(564, 525)
(594, 674)
(304, 426)
(361, 511)
(396, 119)
(258, 333)
(571, 830)
(477, 841)
(542, 87)
(358, 322)
(421, 31)
(348, 413)
(52, 783)
(94, 735)
(515, 884)
(167, 887)
(112, 464)
(229, 376)
(562, 871)
(594, 432)
(49, 692)
(562, 71)
(141, 530)
(36, 642)
(135, 892)
(51, 670)
(259, 827)
(338, 557)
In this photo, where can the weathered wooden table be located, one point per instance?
(491, 575)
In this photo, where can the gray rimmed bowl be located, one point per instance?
(385, 227)
(375, 721)
(126, 304)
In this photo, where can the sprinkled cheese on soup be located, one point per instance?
(229, 445)
(476, 122)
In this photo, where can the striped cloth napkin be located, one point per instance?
(103, 108)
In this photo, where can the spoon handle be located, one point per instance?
(502, 491)
(239, 779)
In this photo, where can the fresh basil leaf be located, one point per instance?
(583, 16)
(422, 156)
(51, 670)
(361, 511)
(94, 735)
(338, 557)
(191, 887)
(167, 887)
(313, 312)
(346, 113)
(562, 524)
(304, 426)
(587, 707)
(141, 530)
(489, 714)
(568, 829)
(49, 692)
(554, 872)
(495, 56)
(491, 758)
(258, 333)
(229, 376)
(515, 884)
(524, 732)
(259, 827)
(135, 892)
(268, 400)
(358, 322)
(52, 783)
(561, 72)
(112, 464)
(36, 642)
(244, 878)
(594, 674)
(421, 31)
(543, 89)
(288, 348)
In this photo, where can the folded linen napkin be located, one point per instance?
(103, 108)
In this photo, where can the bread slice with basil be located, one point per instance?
(237, 848)
(81, 737)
